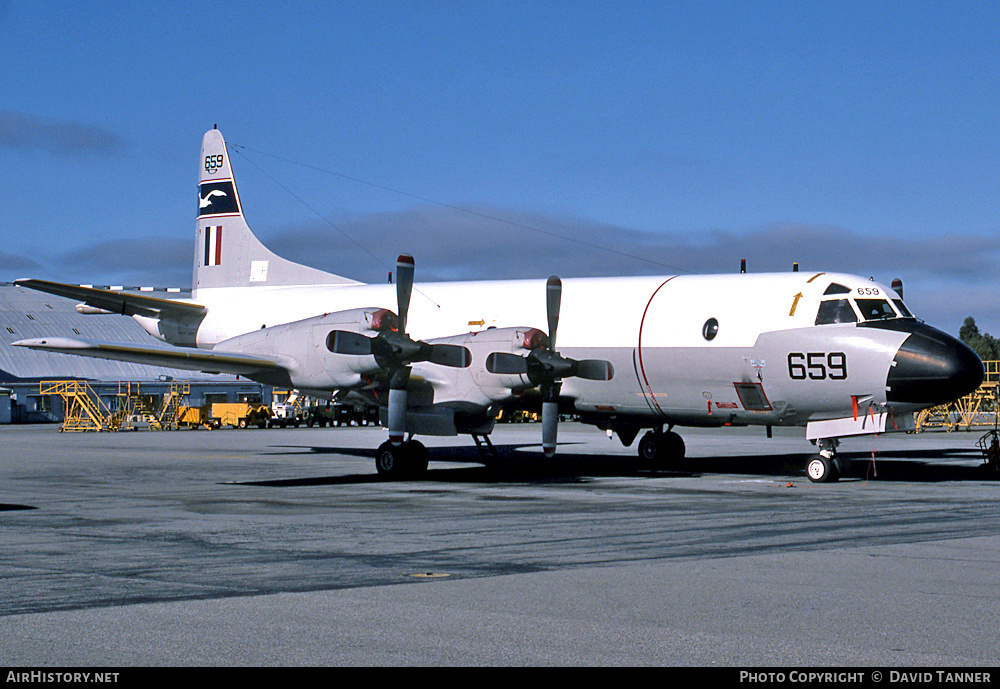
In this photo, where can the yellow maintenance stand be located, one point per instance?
(86, 411)
(976, 410)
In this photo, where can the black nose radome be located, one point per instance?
(932, 367)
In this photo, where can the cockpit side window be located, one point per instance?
(875, 309)
(835, 311)
(901, 307)
(836, 288)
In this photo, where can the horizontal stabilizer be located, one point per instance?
(113, 301)
(187, 358)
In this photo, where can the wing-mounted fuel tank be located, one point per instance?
(313, 349)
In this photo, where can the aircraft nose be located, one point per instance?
(932, 368)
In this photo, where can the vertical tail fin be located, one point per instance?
(227, 254)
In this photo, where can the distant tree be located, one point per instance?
(983, 344)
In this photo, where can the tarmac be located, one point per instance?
(266, 548)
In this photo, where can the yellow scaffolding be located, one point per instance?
(976, 410)
(169, 416)
(86, 411)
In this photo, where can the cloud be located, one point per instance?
(492, 243)
(144, 261)
(476, 243)
(22, 131)
(13, 263)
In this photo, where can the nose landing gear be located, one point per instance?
(824, 467)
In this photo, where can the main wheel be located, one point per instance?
(673, 446)
(822, 469)
(389, 460)
(418, 459)
(395, 462)
(661, 450)
(649, 447)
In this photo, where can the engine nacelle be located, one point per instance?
(304, 347)
(474, 383)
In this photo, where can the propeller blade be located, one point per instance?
(398, 395)
(346, 342)
(404, 286)
(455, 356)
(593, 369)
(553, 298)
(506, 364)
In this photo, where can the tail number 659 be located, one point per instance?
(817, 365)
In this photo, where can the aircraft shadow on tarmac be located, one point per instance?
(513, 465)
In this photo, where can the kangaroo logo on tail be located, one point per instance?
(217, 198)
(206, 201)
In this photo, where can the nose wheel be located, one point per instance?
(823, 468)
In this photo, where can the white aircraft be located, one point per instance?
(838, 354)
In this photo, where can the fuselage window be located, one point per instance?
(875, 309)
(835, 311)
(901, 307)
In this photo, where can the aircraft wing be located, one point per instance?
(126, 304)
(255, 366)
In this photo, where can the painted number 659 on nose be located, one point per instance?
(817, 365)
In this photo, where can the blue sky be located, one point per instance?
(513, 139)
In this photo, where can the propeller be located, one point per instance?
(546, 368)
(395, 351)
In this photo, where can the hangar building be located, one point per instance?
(26, 313)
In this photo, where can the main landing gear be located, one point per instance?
(408, 460)
(824, 468)
(661, 450)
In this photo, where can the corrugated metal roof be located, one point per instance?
(26, 313)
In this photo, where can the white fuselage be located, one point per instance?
(653, 330)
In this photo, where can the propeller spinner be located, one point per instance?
(546, 368)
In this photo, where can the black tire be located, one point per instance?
(674, 448)
(389, 460)
(417, 458)
(822, 469)
(405, 461)
(649, 448)
(661, 450)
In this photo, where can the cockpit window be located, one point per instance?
(835, 311)
(836, 288)
(875, 309)
(901, 307)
